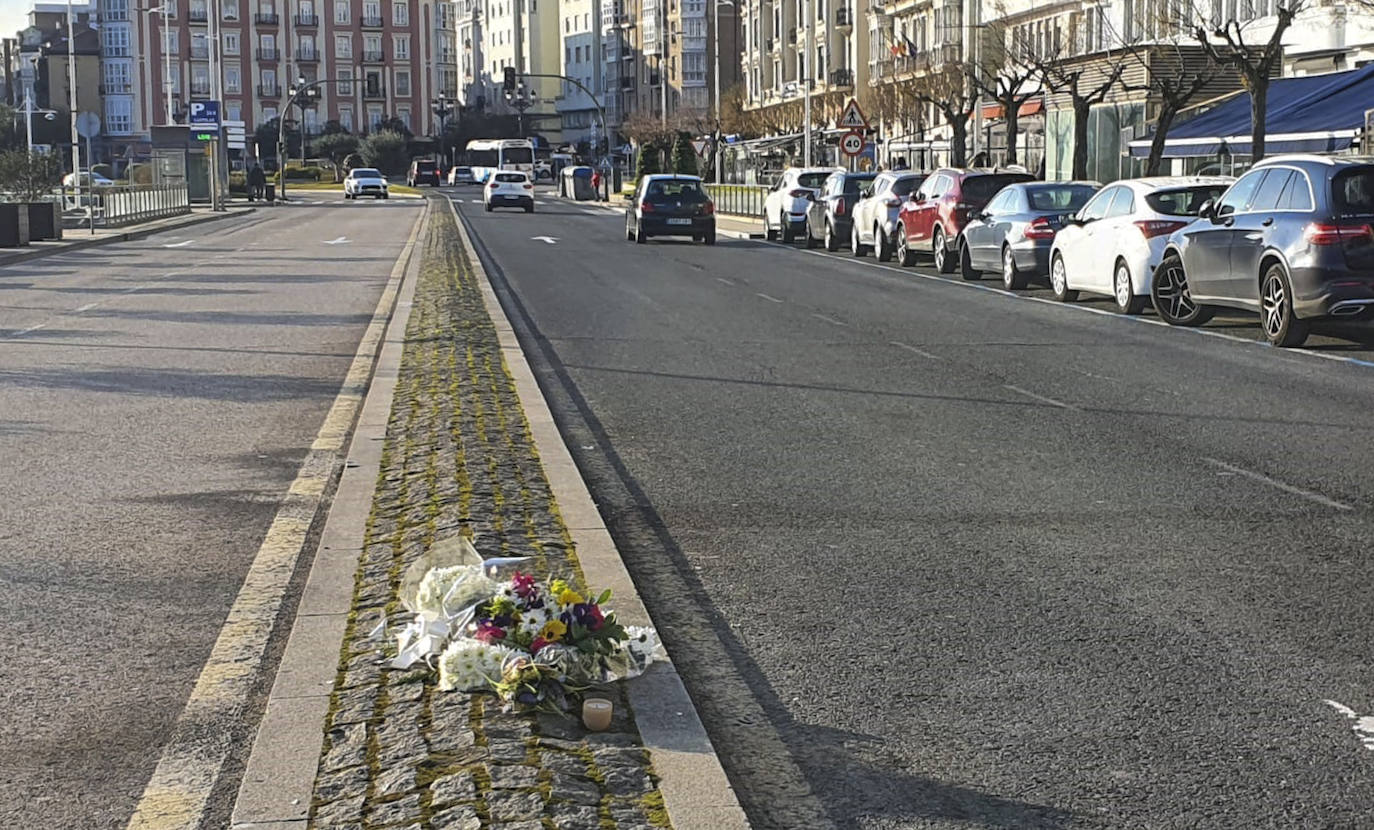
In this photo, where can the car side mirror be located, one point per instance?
(1208, 210)
(918, 197)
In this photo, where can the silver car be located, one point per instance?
(875, 216)
(1015, 232)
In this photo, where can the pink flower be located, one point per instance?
(488, 632)
(523, 584)
(539, 642)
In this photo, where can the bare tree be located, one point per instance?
(1225, 43)
(1086, 85)
(947, 88)
(1008, 76)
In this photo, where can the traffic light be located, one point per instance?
(508, 81)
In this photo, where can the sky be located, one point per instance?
(14, 15)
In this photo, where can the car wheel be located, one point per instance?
(1013, 279)
(640, 236)
(787, 234)
(709, 237)
(966, 269)
(811, 241)
(944, 263)
(629, 232)
(529, 208)
(855, 245)
(832, 242)
(884, 243)
(1059, 281)
(487, 207)
(1173, 301)
(768, 232)
(1281, 325)
(1127, 301)
(905, 256)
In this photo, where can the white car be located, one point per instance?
(88, 179)
(1114, 242)
(509, 188)
(365, 181)
(875, 217)
(460, 175)
(785, 207)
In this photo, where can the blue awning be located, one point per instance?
(1311, 114)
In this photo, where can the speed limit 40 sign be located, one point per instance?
(852, 143)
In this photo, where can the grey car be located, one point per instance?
(1013, 234)
(1292, 239)
(831, 217)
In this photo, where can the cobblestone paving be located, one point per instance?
(399, 753)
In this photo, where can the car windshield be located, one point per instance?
(1353, 192)
(1185, 201)
(979, 189)
(904, 186)
(426, 165)
(366, 173)
(853, 184)
(812, 180)
(1063, 198)
(686, 191)
(517, 155)
(514, 178)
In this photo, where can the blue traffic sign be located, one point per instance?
(204, 112)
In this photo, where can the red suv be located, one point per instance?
(934, 216)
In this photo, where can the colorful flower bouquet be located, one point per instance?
(531, 643)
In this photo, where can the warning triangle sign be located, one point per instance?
(853, 118)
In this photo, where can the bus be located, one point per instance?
(488, 154)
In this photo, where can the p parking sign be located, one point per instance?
(204, 114)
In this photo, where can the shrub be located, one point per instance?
(139, 174)
(684, 157)
(386, 151)
(308, 174)
(103, 170)
(27, 175)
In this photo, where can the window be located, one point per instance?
(1003, 202)
(1097, 207)
(114, 10)
(268, 113)
(346, 118)
(400, 14)
(267, 43)
(372, 43)
(231, 43)
(235, 110)
(345, 76)
(374, 115)
(118, 116)
(269, 78)
(1268, 193)
(1298, 194)
(403, 113)
(1123, 204)
(229, 10)
(170, 42)
(116, 41)
(1183, 202)
(1239, 195)
(402, 45)
(403, 82)
(198, 10)
(343, 13)
(1352, 192)
(233, 80)
(343, 46)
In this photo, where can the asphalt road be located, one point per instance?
(156, 398)
(929, 555)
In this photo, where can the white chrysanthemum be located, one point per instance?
(533, 620)
(446, 591)
(469, 664)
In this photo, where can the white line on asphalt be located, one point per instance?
(913, 349)
(179, 244)
(1364, 724)
(727, 282)
(768, 298)
(1041, 398)
(29, 329)
(831, 320)
(86, 307)
(1287, 488)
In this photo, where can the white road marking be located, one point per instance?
(831, 320)
(913, 349)
(1051, 401)
(86, 307)
(550, 240)
(768, 298)
(460, 201)
(342, 240)
(29, 329)
(179, 244)
(1287, 488)
(1364, 724)
(727, 282)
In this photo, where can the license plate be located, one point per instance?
(679, 221)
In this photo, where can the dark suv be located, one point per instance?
(934, 216)
(831, 216)
(423, 171)
(1291, 239)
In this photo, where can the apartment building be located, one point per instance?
(620, 62)
(525, 34)
(583, 60)
(788, 43)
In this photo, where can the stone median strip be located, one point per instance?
(459, 456)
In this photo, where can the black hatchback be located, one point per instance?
(1291, 239)
(670, 205)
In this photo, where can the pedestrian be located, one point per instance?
(900, 164)
(257, 182)
(596, 185)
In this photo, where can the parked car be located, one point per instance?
(935, 214)
(423, 171)
(877, 216)
(365, 181)
(786, 205)
(509, 188)
(1014, 233)
(461, 175)
(88, 179)
(828, 219)
(670, 205)
(1112, 245)
(1290, 239)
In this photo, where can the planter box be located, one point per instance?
(45, 220)
(14, 225)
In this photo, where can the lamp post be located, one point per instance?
(311, 91)
(718, 152)
(443, 107)
(165, 8)
(806, 78)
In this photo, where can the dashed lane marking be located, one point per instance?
(725, 281)
(1364, 724)
(831, 320)
(767, 297)
(1041, 398)
(1278, 485)
(913, 349)
(177, 794)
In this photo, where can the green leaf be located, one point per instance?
(604, 598)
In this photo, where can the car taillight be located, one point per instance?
(1039, 228)
(492, 185)
(839, 207)
(800, 194)
(529, 187)
(646, 207)
(1150, 228)
(1318, 233)
(708, 209)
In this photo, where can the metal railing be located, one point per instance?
(370, 22)
(265, 18)
(373, 56)
(738, 199)
(307, 20)
(843, 16)
(115, 206)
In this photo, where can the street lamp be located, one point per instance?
(165, 8)
(304, 95)
(443, 107)
(716, 11)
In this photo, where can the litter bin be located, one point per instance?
(270, 192)
(576, 183)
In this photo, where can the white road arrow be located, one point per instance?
(552, 240)
(179, 244)
(343, 240)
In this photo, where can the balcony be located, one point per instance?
(203, 90)
(844, 17)
(198, 53)
(627, 83)
(198, 16)
(269, 91)
(792, 35)
(370, 56)
(265, 18)
(116, 88)
(771, 45)
(307, 56)
(308, 20)
(269, 55)
(369, 22)
(842, 77)
(374, 92)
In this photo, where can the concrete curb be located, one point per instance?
(78, 244)
(279, 778)
(696, 792)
